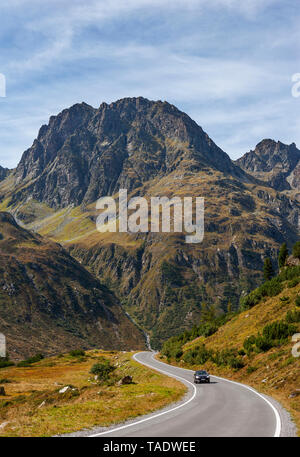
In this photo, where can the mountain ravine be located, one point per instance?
(153, 149)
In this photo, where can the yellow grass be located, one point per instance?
(33, 405)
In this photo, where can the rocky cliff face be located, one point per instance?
(4, 172)
(50, 303)
(85, 153)
(276, 163)
(153, 149)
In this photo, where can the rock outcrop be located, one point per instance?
(4, 172)
(276, 163)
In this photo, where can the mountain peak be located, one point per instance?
(84, 153)
(275, 162)
(270, 146)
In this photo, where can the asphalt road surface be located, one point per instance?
(221, 408)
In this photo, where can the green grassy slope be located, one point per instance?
(254, 346)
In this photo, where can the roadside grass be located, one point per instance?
(269, 373)
(274, 372)
(251, 321)
(33, 405)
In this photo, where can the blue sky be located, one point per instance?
(227, 63)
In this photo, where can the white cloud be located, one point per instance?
(218, 60)
(63, 19)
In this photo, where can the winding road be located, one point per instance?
(221, 408)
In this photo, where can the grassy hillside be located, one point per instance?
(33, 405)
(50, 303)
(254, 346)
(228, 262)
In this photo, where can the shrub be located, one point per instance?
(102, 369)
(296, 250)
(77, 353)
(235, 362)
(292, 316)
(297, 301)
(267, 289)
(251, 369)
(278, 330)
(271, 288)
(4, 362)
(197, 355)
(289, 273)
(293, 283)
(249, 343)
(225, 357)
(274, 334)
(209, 329)
(274, 356)
(263, 344)
(172, 348)
(289, 361)
(30, 361)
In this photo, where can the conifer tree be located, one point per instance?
(268, 269)
(283, 254)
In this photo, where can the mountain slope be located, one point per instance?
(152, 149)
(50, 303)
(276, 163)
(4, 172)
(267, 364)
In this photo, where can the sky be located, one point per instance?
(228, 64)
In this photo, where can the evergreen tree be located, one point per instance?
(207, 313)
(268, 269)
(283, 254)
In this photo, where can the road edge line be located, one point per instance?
(277, 415)
(156, 415)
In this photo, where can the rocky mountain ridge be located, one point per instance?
(85, 153)
(275, 163)
(151, 149)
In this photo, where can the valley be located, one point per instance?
(151, 149)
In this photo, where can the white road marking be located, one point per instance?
(277, 416)
(156, 415)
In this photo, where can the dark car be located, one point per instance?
(201, 376)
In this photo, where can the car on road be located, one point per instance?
(201, 376)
